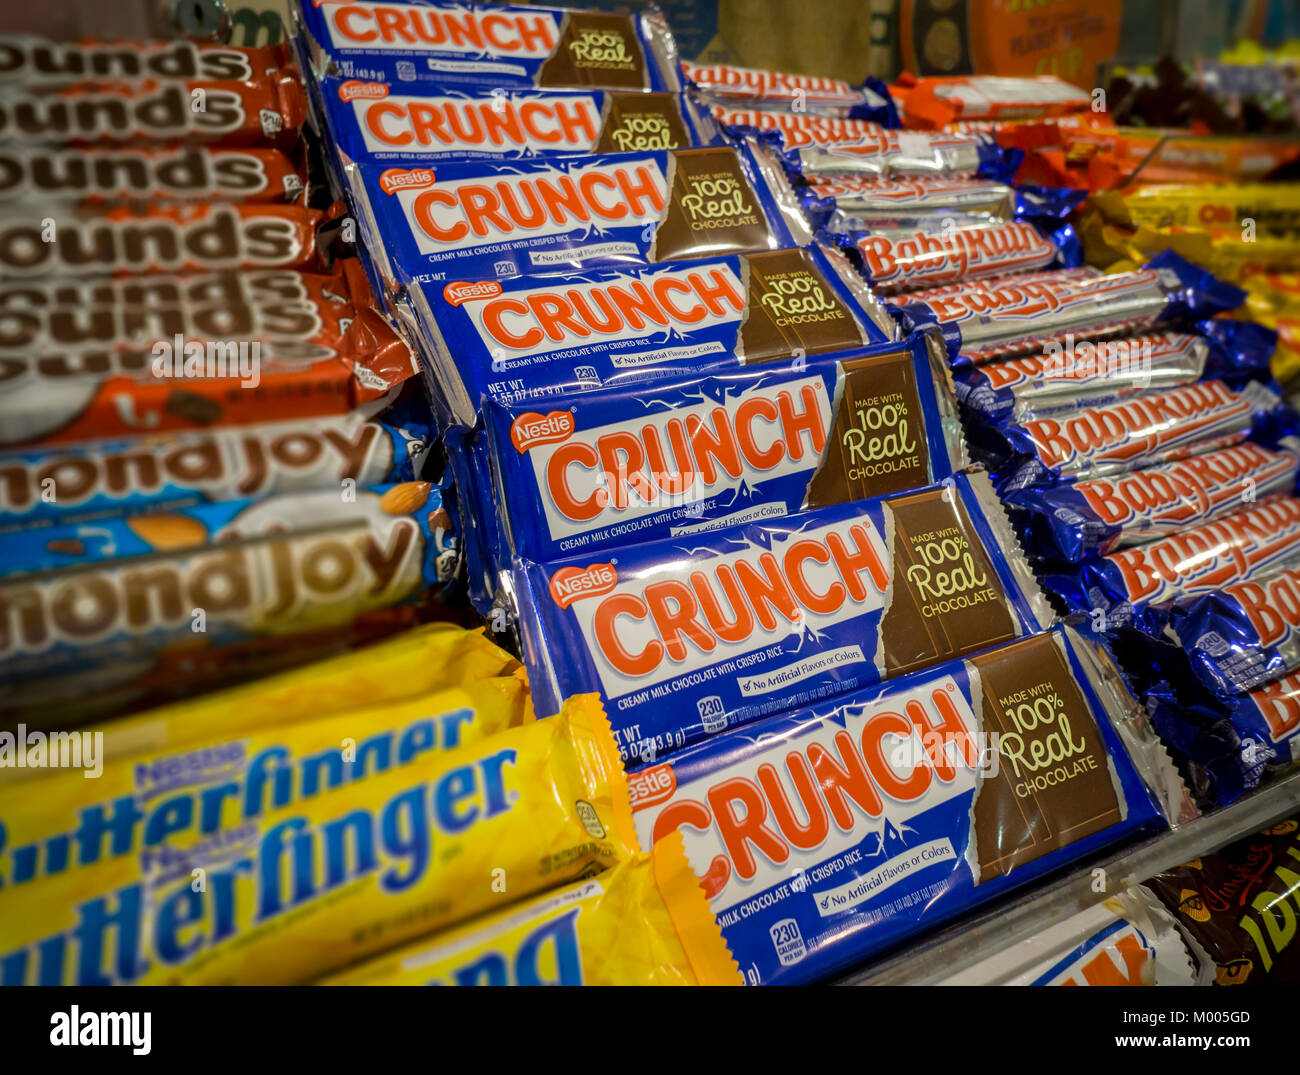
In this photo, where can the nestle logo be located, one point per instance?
(569, 584)
(395, 179)
(465, 292)
(531, 429)
(369, 91)
(651, 786)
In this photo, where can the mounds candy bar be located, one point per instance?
(1243, 635)
(643, 463)
(378, 121)
(127, 587)
(470, 222)
(854, 823)
(345, 874)
(30, 60)
(935, 102)
(85, 482)
(1155, 427)
(531, 337)
(1126, 584)
(1083, 373)
(499, 45)
(687, 636)
(756, 88)
(266, 111)
(842, 203)
(215, 788)
(644, 922)
(181, 238)
(1012, 316)
(1070, 521)
(929, 250)
(1237, 906)
(907, 153)
(131, 173)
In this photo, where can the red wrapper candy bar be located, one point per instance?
(937, 102)
(265, 111)
(30, 60)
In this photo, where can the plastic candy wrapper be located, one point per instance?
(1241, 925)
(1243, 635)
(842, 203)
(406, 122)
(645, 922)
(1070, 521)
(798, 130)
(324, 880)
(531, 339)
(934, 102)
(1122, 942)
(755, 88)
(1125, 585)
(887, 153)
(687, 636)
(269, 110)
(1015, 315)
(149, 174)
(644, 463)
(1273, 207)
(498, 45)
(858, 822)
(1155, 427)
(184, 238)
(468, 222)
(87, 482)
(30, 60)
(122, 589)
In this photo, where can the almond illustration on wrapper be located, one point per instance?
(167, 532)
(405, 498)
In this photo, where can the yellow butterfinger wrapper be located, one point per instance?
(177, 810)
(1274, 208)
(646, 922)
(338, 877)
(416, 662)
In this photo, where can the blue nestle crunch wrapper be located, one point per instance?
(497, 45)
(687, 636)
(645, 462)
(531, 338)
(1070, 521)
(849, 825)
(470, 222)
(409, 121)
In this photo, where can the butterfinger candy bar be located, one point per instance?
(1237, 903)
(855, 823)
(28, 60)
(130, 173)
(645, 922)
(378, 121)
(1274, 207)
(1243, 635)
(1014, 316)
(533, 338)
(1244, 544)
(339, 876)
(159, 239)
(783, 91)
(937, 102)
(687, 636)
(1156, 427)
(168, 471)
(1070, 521)
(124, 588)
(639, 464)
(471, 222)
(532, 47)
(266, 111)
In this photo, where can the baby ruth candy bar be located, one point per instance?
(531, 338)
(471, 221)
(686, 636)
(327, 879)
(640, 463)
(857, 822)
(498, 45)
(781, 92)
